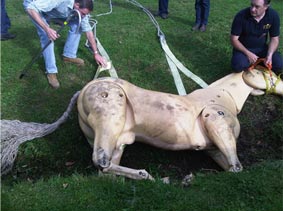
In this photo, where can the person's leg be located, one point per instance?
(277, 63)
(198, 12)
(5, 21)
(48, 53)
(73, 40)
(277, 60)
(205, 6)
(205, 11)
(197, 15)
(163, 8)
(72, 44)
(239, 61)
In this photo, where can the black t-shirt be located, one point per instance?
(253, 34)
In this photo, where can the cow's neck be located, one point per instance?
(235, 85)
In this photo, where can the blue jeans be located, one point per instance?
(202, 8)
(240, 61)
(163, 7)
(71, 44)
(5, 20)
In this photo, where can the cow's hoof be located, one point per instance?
(145, 175)
(236, 168)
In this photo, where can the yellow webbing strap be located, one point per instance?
(174, 65)
(270, 88)
(109, 65)
(270, 85)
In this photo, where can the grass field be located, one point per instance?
(42, 177)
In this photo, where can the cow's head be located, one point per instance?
(262, 79)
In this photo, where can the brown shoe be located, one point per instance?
(76, 61)
(202, 28)
(52, 80)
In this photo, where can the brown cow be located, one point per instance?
(114, 113)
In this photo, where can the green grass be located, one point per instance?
(258, 188)
(40, 172)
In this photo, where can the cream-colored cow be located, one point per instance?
(114, 113)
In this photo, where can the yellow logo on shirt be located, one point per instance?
(267, 26)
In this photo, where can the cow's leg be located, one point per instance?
(107, 117)
(128, 172)
(124, 139)
(219, 158)
(222, 128)
(111, 165)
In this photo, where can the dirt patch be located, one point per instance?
(261, 135)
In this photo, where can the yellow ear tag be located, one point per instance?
(65, 23)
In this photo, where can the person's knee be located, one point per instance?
(277, 70)
(236, 69)
(239, 65)
(239, 61)
(277, 63)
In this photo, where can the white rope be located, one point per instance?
(107, 13)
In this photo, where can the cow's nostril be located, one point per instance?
(104, 94)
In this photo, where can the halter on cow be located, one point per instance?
(114, 113)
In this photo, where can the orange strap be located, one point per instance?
(269, 66)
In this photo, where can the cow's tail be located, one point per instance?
(15, 132)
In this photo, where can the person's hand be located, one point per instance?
(268, 62)
(100, 60)
(52, 34)
(252, 57)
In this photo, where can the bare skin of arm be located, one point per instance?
(98, 58)
(273, 45)
(51, 33)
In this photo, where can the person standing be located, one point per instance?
(202, 8)
(42, 12)
(250, 30)
(5, 23)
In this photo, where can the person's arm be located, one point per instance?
(51, 33)
(98, 58)
(272, 47)
(34, 8)
(235, 42)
